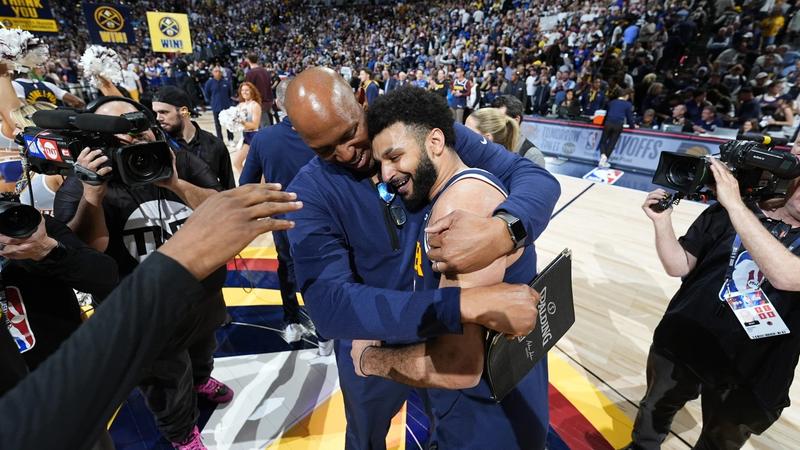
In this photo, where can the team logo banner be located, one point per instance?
(109, 24)
(169, 32)
(30, 15)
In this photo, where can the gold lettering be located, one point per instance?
(25, 12)
(113, 37)
(418, 260)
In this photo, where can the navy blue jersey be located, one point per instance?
(469, 418)
(522, 271)
(353, 264)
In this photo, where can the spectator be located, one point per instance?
(708, 121)
(262, 80)
(569, 108)
(218, 94)
(620, 110)
(648, 120)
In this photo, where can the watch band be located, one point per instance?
(515, 228)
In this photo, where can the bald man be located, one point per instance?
(129, 223)
(353, 246)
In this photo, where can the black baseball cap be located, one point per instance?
(174, 96)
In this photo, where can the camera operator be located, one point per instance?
(129, 223)
(163, 289)
(733, 257)
(38, 302)
(38, 277)
(173, 108)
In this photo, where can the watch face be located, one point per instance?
(518, 230)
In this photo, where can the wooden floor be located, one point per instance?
(621, 292)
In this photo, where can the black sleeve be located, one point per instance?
(225, 167)
(83, 268)
(158, 294)
(67, 199)
(13, 364)
(709, 226)
(194, 170)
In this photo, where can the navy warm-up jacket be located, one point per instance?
(354, 266)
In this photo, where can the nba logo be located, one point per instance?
(17, 320)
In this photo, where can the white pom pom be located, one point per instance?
(21, 49)
(98, 61)
(232, 119)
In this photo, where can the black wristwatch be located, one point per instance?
(515, 228)
(58, 253)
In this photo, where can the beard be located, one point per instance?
(423, 179)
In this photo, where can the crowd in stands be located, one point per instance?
(694, 65)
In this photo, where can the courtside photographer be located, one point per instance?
(42, 262)
(126, 193)
(730, 332)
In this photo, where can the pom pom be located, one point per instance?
(21, 50)
(98, 61)
(233, 119)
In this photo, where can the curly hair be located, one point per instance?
(415, 107)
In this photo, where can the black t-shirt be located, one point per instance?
(141, 218)
(213, 151)
(700, 331)
(441, 87)
(41, 297)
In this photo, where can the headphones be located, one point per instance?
(95, 104)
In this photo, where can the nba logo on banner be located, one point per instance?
(17, 320)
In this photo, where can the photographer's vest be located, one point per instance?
(37, 91)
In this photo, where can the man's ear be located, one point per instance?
(435, 142)
(184, 111)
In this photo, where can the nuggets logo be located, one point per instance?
(418, 260)
(40, 95)
(109, 19)
(169, 26)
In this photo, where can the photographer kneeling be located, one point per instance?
(730, 332)
(128, 209)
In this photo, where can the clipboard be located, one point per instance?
(509, 361)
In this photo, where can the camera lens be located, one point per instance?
(682, 173)
(143, 165)
(17, 220)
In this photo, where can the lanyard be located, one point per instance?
(737, 244)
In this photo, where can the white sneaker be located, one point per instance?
(603, 162)
(294, 332)
(325, 348)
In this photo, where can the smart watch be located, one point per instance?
(515, 228)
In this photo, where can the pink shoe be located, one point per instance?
(193, 442)
(215, 391)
